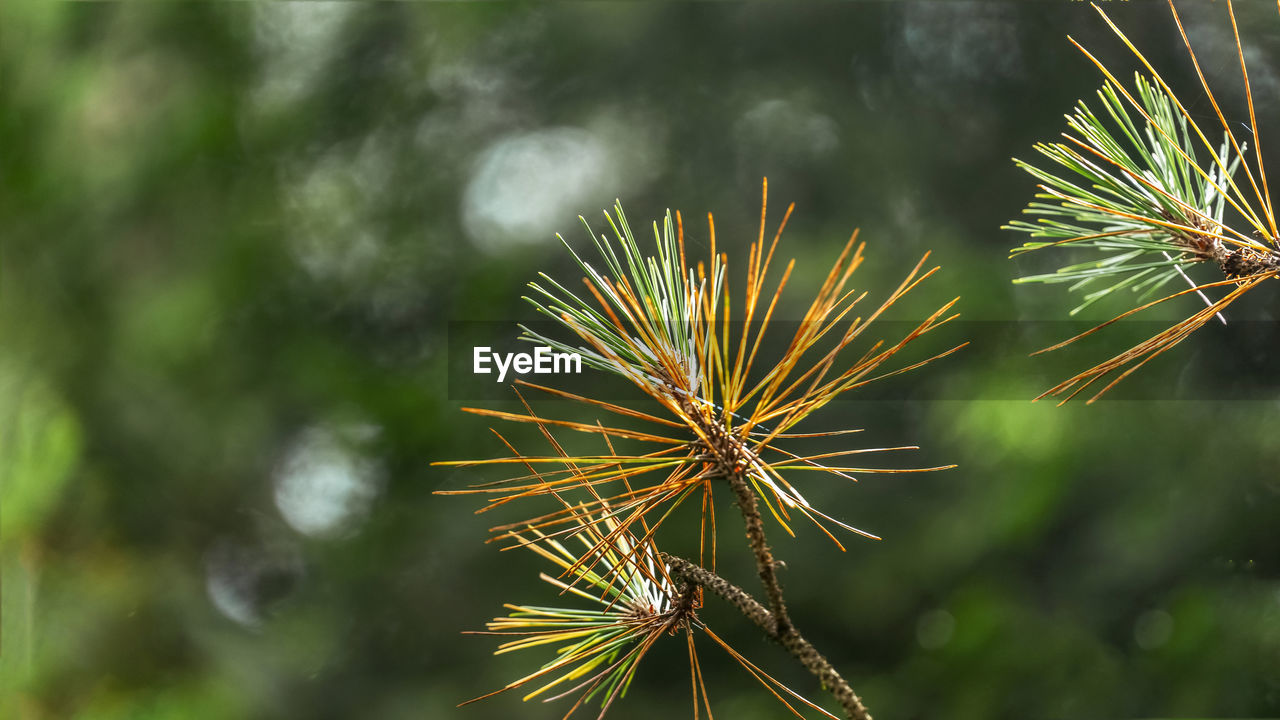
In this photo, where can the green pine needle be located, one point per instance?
(1131, 192)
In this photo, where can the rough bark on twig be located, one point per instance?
(790, 638)
(731, 457)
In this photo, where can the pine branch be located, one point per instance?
(681, 569)
(766, 566)
(785, 635)
(665, 325)
(1141, 184)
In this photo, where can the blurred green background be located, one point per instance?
(233, 237)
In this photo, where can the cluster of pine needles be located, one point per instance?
(1140, 183)
(721, 416)
(1136, 180)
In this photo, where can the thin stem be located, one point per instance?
(776, 623)
(790, 638)
(682, 569)
(730, 457)
(766, 566)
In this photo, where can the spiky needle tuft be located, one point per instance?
(1142, 185)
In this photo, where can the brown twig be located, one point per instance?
(766, 566)
(1235, 261)
(731, 455)
(697, 575)
(787, 637)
